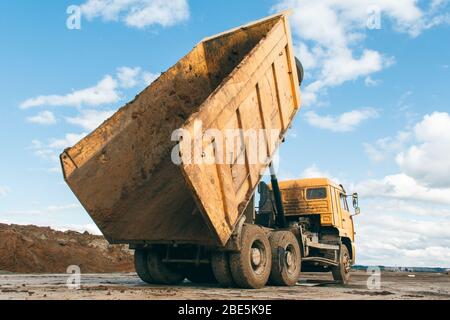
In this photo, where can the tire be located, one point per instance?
(221, 268)
(162, 273)
(251, 266)
(201, 274)
(341, 273)
(141, 265)
(286, 259)
(300, 71)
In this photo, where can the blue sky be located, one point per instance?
(375, 115)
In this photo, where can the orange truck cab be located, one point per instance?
(318, 212)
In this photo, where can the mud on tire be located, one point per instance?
(221, 268)
(341, 273)
(251, 266)
(162, 273)
(286, 259)
(141, 265)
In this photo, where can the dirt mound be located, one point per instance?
(31, 249)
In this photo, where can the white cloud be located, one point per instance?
(90, 119)
(68, 141)
(149, 77)
(89, 228)
(131, 77)
(52, 209)
(396, 240)
(314, 171)
(309, 56)
(128, 77)
(422, 153)
(103, 92)
(50, 151)
(332, 47)
(43, 118)
(4, 190)
(345, 122)
(369, 82)
(138, 13)
(386, 147)
(410, 207)
(428, 160)
(107, 91)
(402, 186)
(344, 67)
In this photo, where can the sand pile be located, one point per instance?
(30, 249)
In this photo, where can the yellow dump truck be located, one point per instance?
(146, 177)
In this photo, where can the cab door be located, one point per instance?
(347, 221)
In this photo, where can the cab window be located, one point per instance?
(316, 194)
(344, 204)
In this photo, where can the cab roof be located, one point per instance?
(308, 183)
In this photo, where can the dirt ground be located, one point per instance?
(394, 286)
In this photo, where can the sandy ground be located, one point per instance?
(312, 286)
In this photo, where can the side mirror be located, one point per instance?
(355, 197)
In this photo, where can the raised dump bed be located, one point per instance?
(123, 172)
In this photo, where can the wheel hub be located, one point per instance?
(256, 256)
(289, 259)
(347, 266)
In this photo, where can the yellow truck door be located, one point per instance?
(346, 218)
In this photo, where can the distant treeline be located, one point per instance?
(403, 269)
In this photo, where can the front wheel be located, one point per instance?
(341, 273)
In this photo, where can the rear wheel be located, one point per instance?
(141, 265)
(251, 266)
(286, 259)
(341, 273)
(221, 268)
(161, 272)
(202, 274)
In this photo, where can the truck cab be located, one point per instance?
(317, 211)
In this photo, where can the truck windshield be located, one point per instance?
(316, 193)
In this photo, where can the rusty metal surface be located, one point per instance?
(122, 173)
